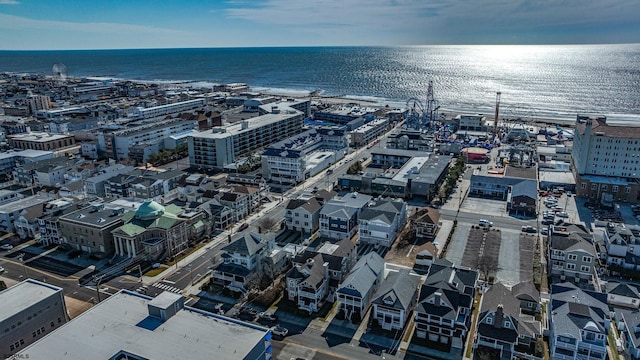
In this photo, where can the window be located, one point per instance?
(489, 320)
(507, 324)
(572, 257)
(627, 190)
(571, 266)
(604, 187)
(585, 268)
(587, 259)
(594, 186)
(583, 185)
(614, 188)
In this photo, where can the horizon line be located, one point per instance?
(319, 46)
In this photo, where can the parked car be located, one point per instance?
(243, 226)
(562, 214)
(1, 269)
(279, 331)
(265, 315)
(547, 221)
(6, 247)
(529, 229)
(559, 222)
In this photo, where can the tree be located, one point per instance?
(486, 266)
(267, 223)
(355, 168)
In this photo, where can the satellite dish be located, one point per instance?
(59, 71)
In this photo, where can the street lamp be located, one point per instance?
(191, 273)
(98, 280)
(24, 267)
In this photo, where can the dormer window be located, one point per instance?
(507, 324)
(489, 320)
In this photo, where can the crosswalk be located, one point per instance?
(166, 287)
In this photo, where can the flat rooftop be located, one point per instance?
(24, 203)
(38, 137)
(253, 123)
(23, 295)
(122, 324)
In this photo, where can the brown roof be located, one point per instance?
(599, 125)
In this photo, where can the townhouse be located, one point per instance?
(355, 293)
(380, 222)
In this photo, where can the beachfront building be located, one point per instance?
(606, 160)
(138, 143)
(302, 156)
(129, 325)
(366, 133)
(343, 114)
(30, 310)
(168, 109)
(220, 146)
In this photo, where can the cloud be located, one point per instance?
(9, 2)
(436, 19)
(13, 22)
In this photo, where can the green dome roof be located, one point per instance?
(149, 210)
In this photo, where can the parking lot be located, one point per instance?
(512, 251)
(484, 206)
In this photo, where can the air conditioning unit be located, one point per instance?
(562, 277)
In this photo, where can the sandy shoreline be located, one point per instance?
(448, 113)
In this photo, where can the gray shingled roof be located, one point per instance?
(363, 275)
(631, 319)
(246, 244)
(573, 309)
(400, 287)
(622, 289)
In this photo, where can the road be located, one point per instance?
(16, 271)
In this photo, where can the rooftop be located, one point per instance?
(122, 324)
(23, 295)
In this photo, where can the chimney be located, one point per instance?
(499, 316)
(437, 296)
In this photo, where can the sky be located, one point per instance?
(125, 24)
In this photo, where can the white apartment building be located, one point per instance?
(300, 157)
(369, 131)
(219, 147)
(606, 160)
(118, 143)
(162, 110)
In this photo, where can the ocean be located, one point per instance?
(536, 82)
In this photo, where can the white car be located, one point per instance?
(279, 331)
(6, 247)
(1, 269)
(562, 215)
(487, 223)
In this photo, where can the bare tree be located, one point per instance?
(486, 266)
(267, 223)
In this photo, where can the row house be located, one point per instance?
(339, 258)
(355, 293)
(161, 187)
(628, 324)
(504, 329)
(622, 245)
(443, 312)
(395, 299)
(339, 216)
(578, 323)
(571, 254)
(625, 295)
(380, 222)
(308, 283)
(47, 172)
(240, 260)
(94, 185)
(426, 224)
(49, 223)
(303, 215)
